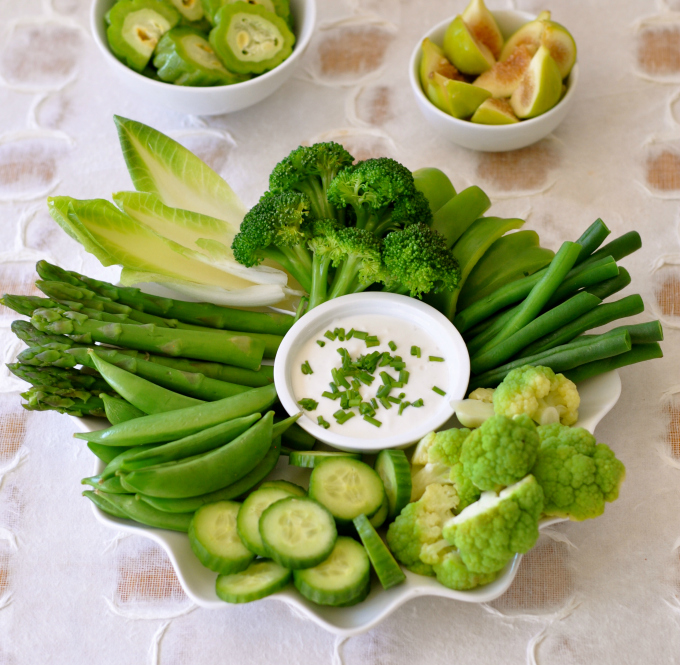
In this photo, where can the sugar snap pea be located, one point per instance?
(208, 472)
(162, 427)
(112, 467)
(109, 485)
(106, 453)
(104, 505)
(134, 509)
(119, 410)
(252, 478)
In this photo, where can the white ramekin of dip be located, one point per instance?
(406, 323)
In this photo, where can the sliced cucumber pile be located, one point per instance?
(248, 521)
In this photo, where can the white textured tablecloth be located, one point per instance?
(605, 591)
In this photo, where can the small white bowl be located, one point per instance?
(208, 100)
(401, 309)
(489, 138)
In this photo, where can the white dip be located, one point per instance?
(423, 375)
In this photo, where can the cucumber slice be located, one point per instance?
(347, 487)
(214, 538)
(309, 459)
(248, 520)
(291, 488)
(388, 570)
(298, 532)
(341, 579)
(394, 470)
(379, 518)
(261, 578)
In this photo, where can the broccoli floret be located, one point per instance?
(491, 531)
(577, 474)
(310, 170)
(540, 393)
(418, 261)
(382, 195)
(420, 523)
(500, 452)
(276, 228)
(324, 243)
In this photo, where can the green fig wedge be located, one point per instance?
(541, 87)
(505, 76)
(494, 112)
(456, 98)
(434, 61)
(483, 26)
(461, 47)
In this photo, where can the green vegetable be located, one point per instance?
(538, 393)
(77, 403)
(491, 531)
(135, 28)
(118, 410)
(500, 452)
(235, 348)
(638, 353)
(395, 472)
(109, 485)
(435, 185)
(457, 214)
(250, 39)
(260, 579)
(591, 239)
(450, 570)
(56, 377)
(577, 474)
(386, 568)
(207, 472)
(106, 453)
(128, 506)
(191, 10)
(104, 505)
(162, 427)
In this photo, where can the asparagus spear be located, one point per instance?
(201, 314)
(236, 349)
(71, 402)
(57, 377)
(188, 383)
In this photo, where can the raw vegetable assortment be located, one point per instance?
(213, 42)
(194, 431)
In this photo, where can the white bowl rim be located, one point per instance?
(306, 30)
(382, 302)
(414, 77)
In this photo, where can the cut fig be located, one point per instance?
(504, 77)
(456, 98)
(544, 32)
(494, 112)
(540, 88)
(467, 54)
(434, 61)
(483, 26)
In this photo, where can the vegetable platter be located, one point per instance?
(599, 396)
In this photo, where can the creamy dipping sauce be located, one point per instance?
(423, 375)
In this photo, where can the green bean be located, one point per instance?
(119, 410)
(618, 248)
(560, 358)
(539, 295)
(135, 509)
(600, 316)
(142, 394)
(252, 478)
(585, 276)
(207, 472)
(553, 320)
(611, 286)
(638, 353)
(162, 427)
(110, 485)
(194, 444)
(106, 453)
(591, 239)
(640, 333)
(104, 505)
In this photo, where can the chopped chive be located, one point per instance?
(439, 391)
(306, 368)
(392, 345)
(386, 359)
(385, 402)
(334, 388)
(355, 401)
(330, 335)
(383, 391)
(397, 384)
(340, 334)
(401, 395)
(359, 334)
(403, 376)
(328, 395)
(344, 401)
(394, 400)
(321, 343)
(402, 406)
(372, 341)
(350, 334)
(418, 403)
(308, 404)
(386, 378)
(374, 403)
(436, 359)
(323, 422)
(338, 378)
(356, 384)
(365, 409)
(415, 351)
(343, 416)
(373, 421)
(365, 378)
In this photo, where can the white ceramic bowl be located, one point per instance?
(401, 309)
(489, 138)
(207, 100)
(598, 397)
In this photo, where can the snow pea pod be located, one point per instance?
(112, 467)
(208, 472)
(118, 410)
(109, 485)
(252, 478)
(106, 453)
(104, 505)
(188, 446)
(132, 508)
(162, 427)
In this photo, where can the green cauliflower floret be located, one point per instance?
(538, 392)
(438, 453)
(420, 523)
(577, 474)
(454, 574)
(500, 452)
(491, 531)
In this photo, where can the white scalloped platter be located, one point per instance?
(598, 397)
